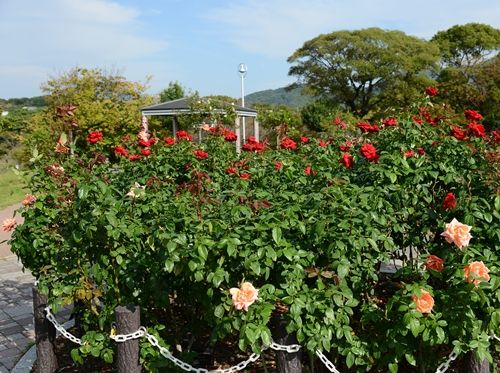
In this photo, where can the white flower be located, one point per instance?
(136, 191)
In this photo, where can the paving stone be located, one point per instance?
(13, 351)
(18, 310)
(10, 362)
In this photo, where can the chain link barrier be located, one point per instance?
(142, 332)
(60, 328)
(328, 364)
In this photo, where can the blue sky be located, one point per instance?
(197, 42)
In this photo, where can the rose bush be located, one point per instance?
(303, 228)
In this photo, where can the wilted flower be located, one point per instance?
(28, 200)
(435, 263)
(137, 191)
(9, 224)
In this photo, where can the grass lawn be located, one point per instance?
(12, 187)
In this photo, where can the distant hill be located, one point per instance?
(292, 98)
(17, 103)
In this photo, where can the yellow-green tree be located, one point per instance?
(83, 100)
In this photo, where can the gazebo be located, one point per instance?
(182, 107)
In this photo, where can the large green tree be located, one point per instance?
(83, 100)
(470, 77)
(174, 91)
(366, 68)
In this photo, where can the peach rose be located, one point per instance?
(476, 272)
(9, 224)
(28, 200)
(244, 296)
(424, 303)
(435, 263)
(457, 233)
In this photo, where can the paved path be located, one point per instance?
(16, 312)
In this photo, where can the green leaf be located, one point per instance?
(414, 326)
(203, 252)
(393, 367)
(350, 359)
(276, 232)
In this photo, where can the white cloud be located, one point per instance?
(59, 34)
(276, 28)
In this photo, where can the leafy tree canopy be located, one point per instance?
(364, 68)
(174, 91)
(467, 45)
(102, 101)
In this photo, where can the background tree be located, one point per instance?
(365, 68)
(174, 91)
(470, 68)
(102, 101)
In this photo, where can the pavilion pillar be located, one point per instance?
(237, 129)
(174, 126)
(256, 128)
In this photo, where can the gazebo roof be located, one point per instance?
(181, 106)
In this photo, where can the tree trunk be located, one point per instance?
(285, 362)
(128, 320)
(471, 364)
(45, 335)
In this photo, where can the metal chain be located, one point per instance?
(328, 364)
(189, 368)
(443, 367)
(60, 328)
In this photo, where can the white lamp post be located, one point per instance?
(242, 69)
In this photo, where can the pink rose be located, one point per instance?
(476, 272)
(28, 200)
(457, 233)
(244, 296)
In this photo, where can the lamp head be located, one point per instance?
(242, 69)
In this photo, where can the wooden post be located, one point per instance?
(237, 129)
(471, 364)
(286, 362)
(45, 335)
(128, 320)
(256, 128)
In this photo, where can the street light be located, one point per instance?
(242, 69)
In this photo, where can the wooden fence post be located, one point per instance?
(286, 362)
(471, 364)
(128, 320)
(45, 335)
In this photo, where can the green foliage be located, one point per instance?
(103, 102)
(173, 233)
(174, 91)
(316, 115)
(471, 68)
(365, 69)
(463, 46)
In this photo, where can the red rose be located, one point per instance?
(94, 136)
(367, 127)
(146, 152)
(458, 133)
(309, 171)
(231, 170)
(431, 91)
(120, 150)
(390, 122)
(477, 129)
(369, 152)
(472, 115)
(288, 143)
(496, 136)
(435, 263)
(200, 154)
(169, 140)
(147, 143)
(409, 153)
(449, 202)
(421, 151)
(345, 148)
(134, 157)
(417, 119)
(304, 140)
(278, 165)
(340, 123)
(347, 160)
(252, 140)
(245, 176)
(183, 135)
(259, 147)
(230, 136)
(323, 143)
